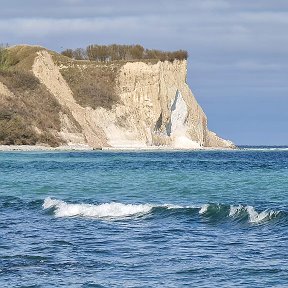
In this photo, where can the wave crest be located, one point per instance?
(253, 215)
(106, 210)
(211, 212)
(239, 212)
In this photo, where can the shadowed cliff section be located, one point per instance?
(48, 98)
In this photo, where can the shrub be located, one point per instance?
(33, 106)
(104, 53)
(48, 138)
(68, 53)
(20, 80)
(6, 59)
(14, 131)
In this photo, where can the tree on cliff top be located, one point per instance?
(105, 53)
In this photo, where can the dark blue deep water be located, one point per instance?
(144, 219)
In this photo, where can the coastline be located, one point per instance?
(35, 148)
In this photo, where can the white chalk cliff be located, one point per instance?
(156, 108)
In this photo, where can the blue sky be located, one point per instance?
(238, 50)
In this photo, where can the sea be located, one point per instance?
(144, 218)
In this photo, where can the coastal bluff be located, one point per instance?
(49, 99)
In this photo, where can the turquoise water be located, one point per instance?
(144, 219)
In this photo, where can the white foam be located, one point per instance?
(204, 209)
(172, 206)
(106, 210)
(254, 216)
(235, 210)
(114, 210)
(265, 149)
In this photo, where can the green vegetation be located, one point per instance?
(105, 53)
(6, 58)
(23, 56)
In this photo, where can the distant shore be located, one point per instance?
(45, 148)
(32, 148)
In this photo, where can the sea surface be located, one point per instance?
(144, 219)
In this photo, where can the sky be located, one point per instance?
(238, 50)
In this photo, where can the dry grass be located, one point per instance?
(32, 110)
(92, 85)
(14, 131)
(23, 56)
(32, 116)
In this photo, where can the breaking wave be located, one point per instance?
(211, 212)
(267, 148)
(239, 213)
(106, 210)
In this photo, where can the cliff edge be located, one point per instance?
(117, 104)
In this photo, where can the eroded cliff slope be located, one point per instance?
(116, 104)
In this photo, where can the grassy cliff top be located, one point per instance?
(21, 57)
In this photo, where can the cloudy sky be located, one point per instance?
(238, 50)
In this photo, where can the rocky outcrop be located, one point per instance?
(156, 108)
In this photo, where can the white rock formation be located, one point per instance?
(177, 128)
(156, 108)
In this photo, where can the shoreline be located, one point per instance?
(86, 148)
(35, 148)
(80, 148)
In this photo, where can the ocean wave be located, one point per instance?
(114, 210)
(239, 213)
(264, 148)
(253, 215)
(105, 210)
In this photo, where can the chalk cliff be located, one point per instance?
(152, 104)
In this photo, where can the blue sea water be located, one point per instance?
(144, 219)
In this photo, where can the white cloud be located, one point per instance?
(33, 27)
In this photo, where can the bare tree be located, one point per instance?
(114, 52)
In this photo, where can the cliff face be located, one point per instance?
(164, 110)
(152, 104)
